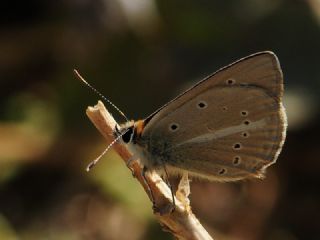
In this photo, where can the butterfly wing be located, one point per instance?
(229, 126)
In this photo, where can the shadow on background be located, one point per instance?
(140, 54)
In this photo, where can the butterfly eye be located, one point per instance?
(127, 137)
(202, 105)
(173, 127)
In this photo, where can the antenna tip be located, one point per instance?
(75, 71)
(90, 166)
(78, 75)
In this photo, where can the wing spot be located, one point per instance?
(224, 108)
(202, 105)
(237, 146)
(246, 122)
(230, 81)
(244, 113)
(236, 160)
(245, 134)
(174, 127)
(222, 171)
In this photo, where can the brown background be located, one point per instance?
(140, 54)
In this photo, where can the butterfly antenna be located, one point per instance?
(94, 162)
(100, 94)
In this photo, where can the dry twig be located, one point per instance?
(182, 223)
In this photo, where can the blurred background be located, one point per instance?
(140, 54)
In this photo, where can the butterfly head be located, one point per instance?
(131, 130)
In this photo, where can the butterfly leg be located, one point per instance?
(171, 189)
(129, 165)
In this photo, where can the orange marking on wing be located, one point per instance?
(139, 126)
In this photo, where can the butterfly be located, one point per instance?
(227, 127)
